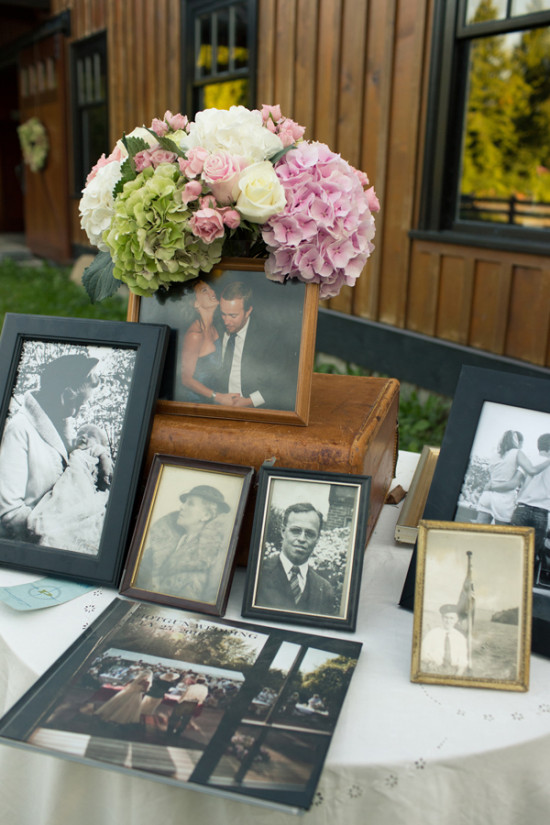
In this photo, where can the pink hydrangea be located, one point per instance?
(324, 234)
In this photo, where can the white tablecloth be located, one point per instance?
(401, 754)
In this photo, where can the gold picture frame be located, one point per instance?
(473, 605)
(406, 528)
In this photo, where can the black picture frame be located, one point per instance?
(129, 360)
(330, 594)
(278, 353)
(475, 387)
(210, 553)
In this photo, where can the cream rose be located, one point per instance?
(262, 196)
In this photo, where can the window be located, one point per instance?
(89, 105)
(487, 162)
(220, 54)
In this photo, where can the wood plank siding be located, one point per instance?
(354, 72)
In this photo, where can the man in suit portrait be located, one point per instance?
(287, 581)
(259, 360)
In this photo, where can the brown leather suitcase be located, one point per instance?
(352, 429)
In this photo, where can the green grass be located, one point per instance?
(47, 290)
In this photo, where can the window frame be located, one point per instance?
(191, 10)
(94, 44)
(445, 113)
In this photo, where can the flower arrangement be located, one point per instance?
(34, 143)
(170, 200)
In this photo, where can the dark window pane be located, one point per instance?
(505, 168)
(240, 55)
(222, 59)
(203, 46)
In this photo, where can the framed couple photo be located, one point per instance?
(77, 400)
(494, 469)
(186, 534)
(306, 553)
(241, 346)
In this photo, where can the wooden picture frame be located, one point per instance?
(513, 402)
(66, 498)
(316, 521)
(183, 548)
(472, 609)
(277, 354)
(406, 528)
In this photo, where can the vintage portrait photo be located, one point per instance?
(184, 698)
(240, 344)
(186, 534)
(308, 543)
(472, 615)
(508, 476)
(60, 443)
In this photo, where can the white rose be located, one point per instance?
(97, 204)
(139, 132)
(262, 196)
(237, 130)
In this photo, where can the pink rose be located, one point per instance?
(289, 132)
(271, 113)
(193, 163)
(207, 224)
(191, 191)
(221, 172)
(159, 127)
(175, 122)
(231, 217)
(152, 157)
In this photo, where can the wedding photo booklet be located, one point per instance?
(225, 707)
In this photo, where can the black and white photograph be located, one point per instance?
(202, 703)
(186, 535)
(472, 614)
(508, 476)
(69, 396)
(60, 443)
(241, 346)
(307, 547)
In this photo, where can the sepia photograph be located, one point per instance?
(196, 702)
(241, 346)
(472, 614)
(66, 399)
(307, 547)
(186, 534)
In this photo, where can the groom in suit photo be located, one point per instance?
(259, 360)
(288, 581)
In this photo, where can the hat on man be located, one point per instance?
(68, 371)
(209, 494)
(448, 608)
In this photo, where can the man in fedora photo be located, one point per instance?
(185, 550)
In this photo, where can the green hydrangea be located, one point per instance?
(150, 239)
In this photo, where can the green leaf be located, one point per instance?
(98, 280)
(134, 145)
(168, 144)
(127, 172)
(277, 157)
